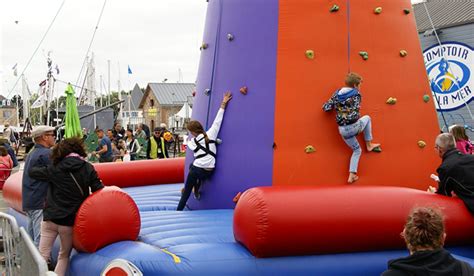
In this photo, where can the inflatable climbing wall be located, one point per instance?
(282, 60)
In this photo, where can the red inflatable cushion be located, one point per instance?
(107, 216)
(141, 173)
(12, 191)
(286, 221)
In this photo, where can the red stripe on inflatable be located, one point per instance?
(285, 221)
(12, 191)
(107, 216)
(141, 173)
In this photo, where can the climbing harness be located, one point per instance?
(206, 149)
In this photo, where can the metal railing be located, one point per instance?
(21, 255)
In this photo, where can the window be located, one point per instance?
(152, 102)
(7, 114)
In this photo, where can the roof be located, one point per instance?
(444, 13)
(135, 99)
(170, 93)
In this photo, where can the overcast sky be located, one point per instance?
(157, 38)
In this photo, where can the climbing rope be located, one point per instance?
(214, 63)
(89, 48)
(444, 56)
(36, 50)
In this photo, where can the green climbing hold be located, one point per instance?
(364, 55)
(310, 54)
(309, 149)
(377, 149)
(334, 8)
(426, 98)
(378, 10)
(407, 11)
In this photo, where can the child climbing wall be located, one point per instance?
(282, 60)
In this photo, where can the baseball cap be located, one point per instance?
(40, 130)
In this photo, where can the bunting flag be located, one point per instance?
(39, 102)
(57, 69)
(43, 83)
(129, 70)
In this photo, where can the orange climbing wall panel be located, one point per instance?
(303, 85)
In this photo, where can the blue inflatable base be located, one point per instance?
(202, 242)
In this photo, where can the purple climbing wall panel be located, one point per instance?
(244, 157)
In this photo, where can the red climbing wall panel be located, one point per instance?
(303, 85)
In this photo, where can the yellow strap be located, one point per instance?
(176, 259)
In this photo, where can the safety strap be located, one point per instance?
(205, 149)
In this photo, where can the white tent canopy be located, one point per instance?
(185, 111)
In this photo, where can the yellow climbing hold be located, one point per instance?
(310, 54)
(334, 8)
(204, 46)
(309, 149)
(421, 144)
(403, 53)
(391, 101)
(364, 55)
(378, 10)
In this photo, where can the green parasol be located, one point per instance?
(72, 122)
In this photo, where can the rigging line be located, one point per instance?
(441, 111)
(348, 36)
(36, 50)
(90, 45)
(73, 85)
(444, 56)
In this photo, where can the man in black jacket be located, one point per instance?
(424, 235)
(456, 172)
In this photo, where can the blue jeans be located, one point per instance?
(349, 134)
(195, 176)
(35, 217)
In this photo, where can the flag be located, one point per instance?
(129, 70)
(39, 102)
(15, 70)
(43, 83)
(57, 69)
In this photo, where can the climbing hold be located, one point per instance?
(218, 141)
(310, 54)
(364, 55)
(378, 10)
(403, 53)
(421, 144)
(334, 8)
(391, 101)
(230, 37)
(207, 91)
(274, 146)
(243, 90)
(194, 93)
(407, 11)
(309, 149)
(426, 98)
(237, 197)
(377, 149)
(204, 46)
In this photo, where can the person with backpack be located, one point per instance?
(204, 147)
(69, 179)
